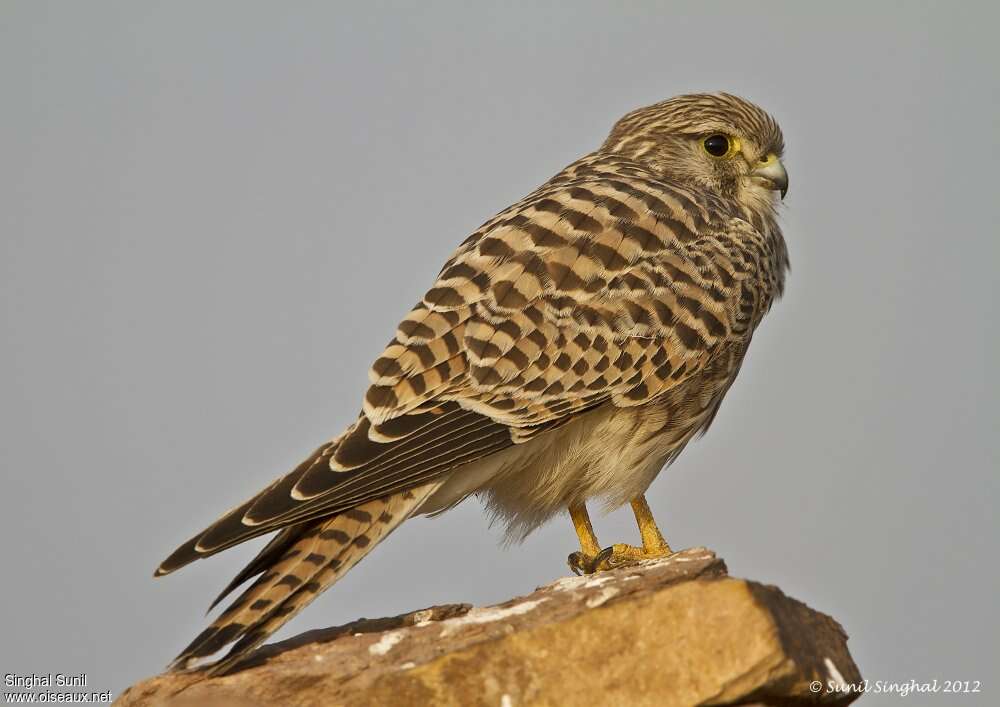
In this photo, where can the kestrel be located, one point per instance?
(569, 350)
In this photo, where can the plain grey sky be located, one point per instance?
(200, 204)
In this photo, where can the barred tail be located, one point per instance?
(296, 567)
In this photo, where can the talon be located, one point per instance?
(581, 563)
(605, 559)
(577, 562)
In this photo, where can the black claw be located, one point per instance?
(602, 557)
(577, 562)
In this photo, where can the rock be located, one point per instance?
(678, 631)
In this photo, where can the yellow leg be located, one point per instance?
(591, 559)
(584, 529)
(653, 541)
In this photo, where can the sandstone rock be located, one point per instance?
(674, 632)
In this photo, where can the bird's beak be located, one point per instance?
(772, 173)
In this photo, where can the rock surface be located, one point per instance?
(678, 631)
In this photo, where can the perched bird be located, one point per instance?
(569, 349)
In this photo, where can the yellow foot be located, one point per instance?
(618, 555)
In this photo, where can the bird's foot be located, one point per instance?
(618, 555)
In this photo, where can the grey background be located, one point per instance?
(199, 204)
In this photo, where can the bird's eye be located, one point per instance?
(718, 145)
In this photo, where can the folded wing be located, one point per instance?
(605, 286)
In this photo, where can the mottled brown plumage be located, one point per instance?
(569, 349)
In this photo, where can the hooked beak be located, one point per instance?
(772, 173)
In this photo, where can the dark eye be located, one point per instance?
(716, 145)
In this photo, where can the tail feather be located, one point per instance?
(266, 558)
(193, 550)
(295, 567)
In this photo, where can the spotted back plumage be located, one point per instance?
(605, 284)
(613, 284)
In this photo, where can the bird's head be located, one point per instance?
(717, 141)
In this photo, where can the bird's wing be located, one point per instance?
(605, 286)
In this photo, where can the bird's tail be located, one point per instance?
(298, 564)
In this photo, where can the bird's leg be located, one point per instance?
(653, 543)
(581, 562)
